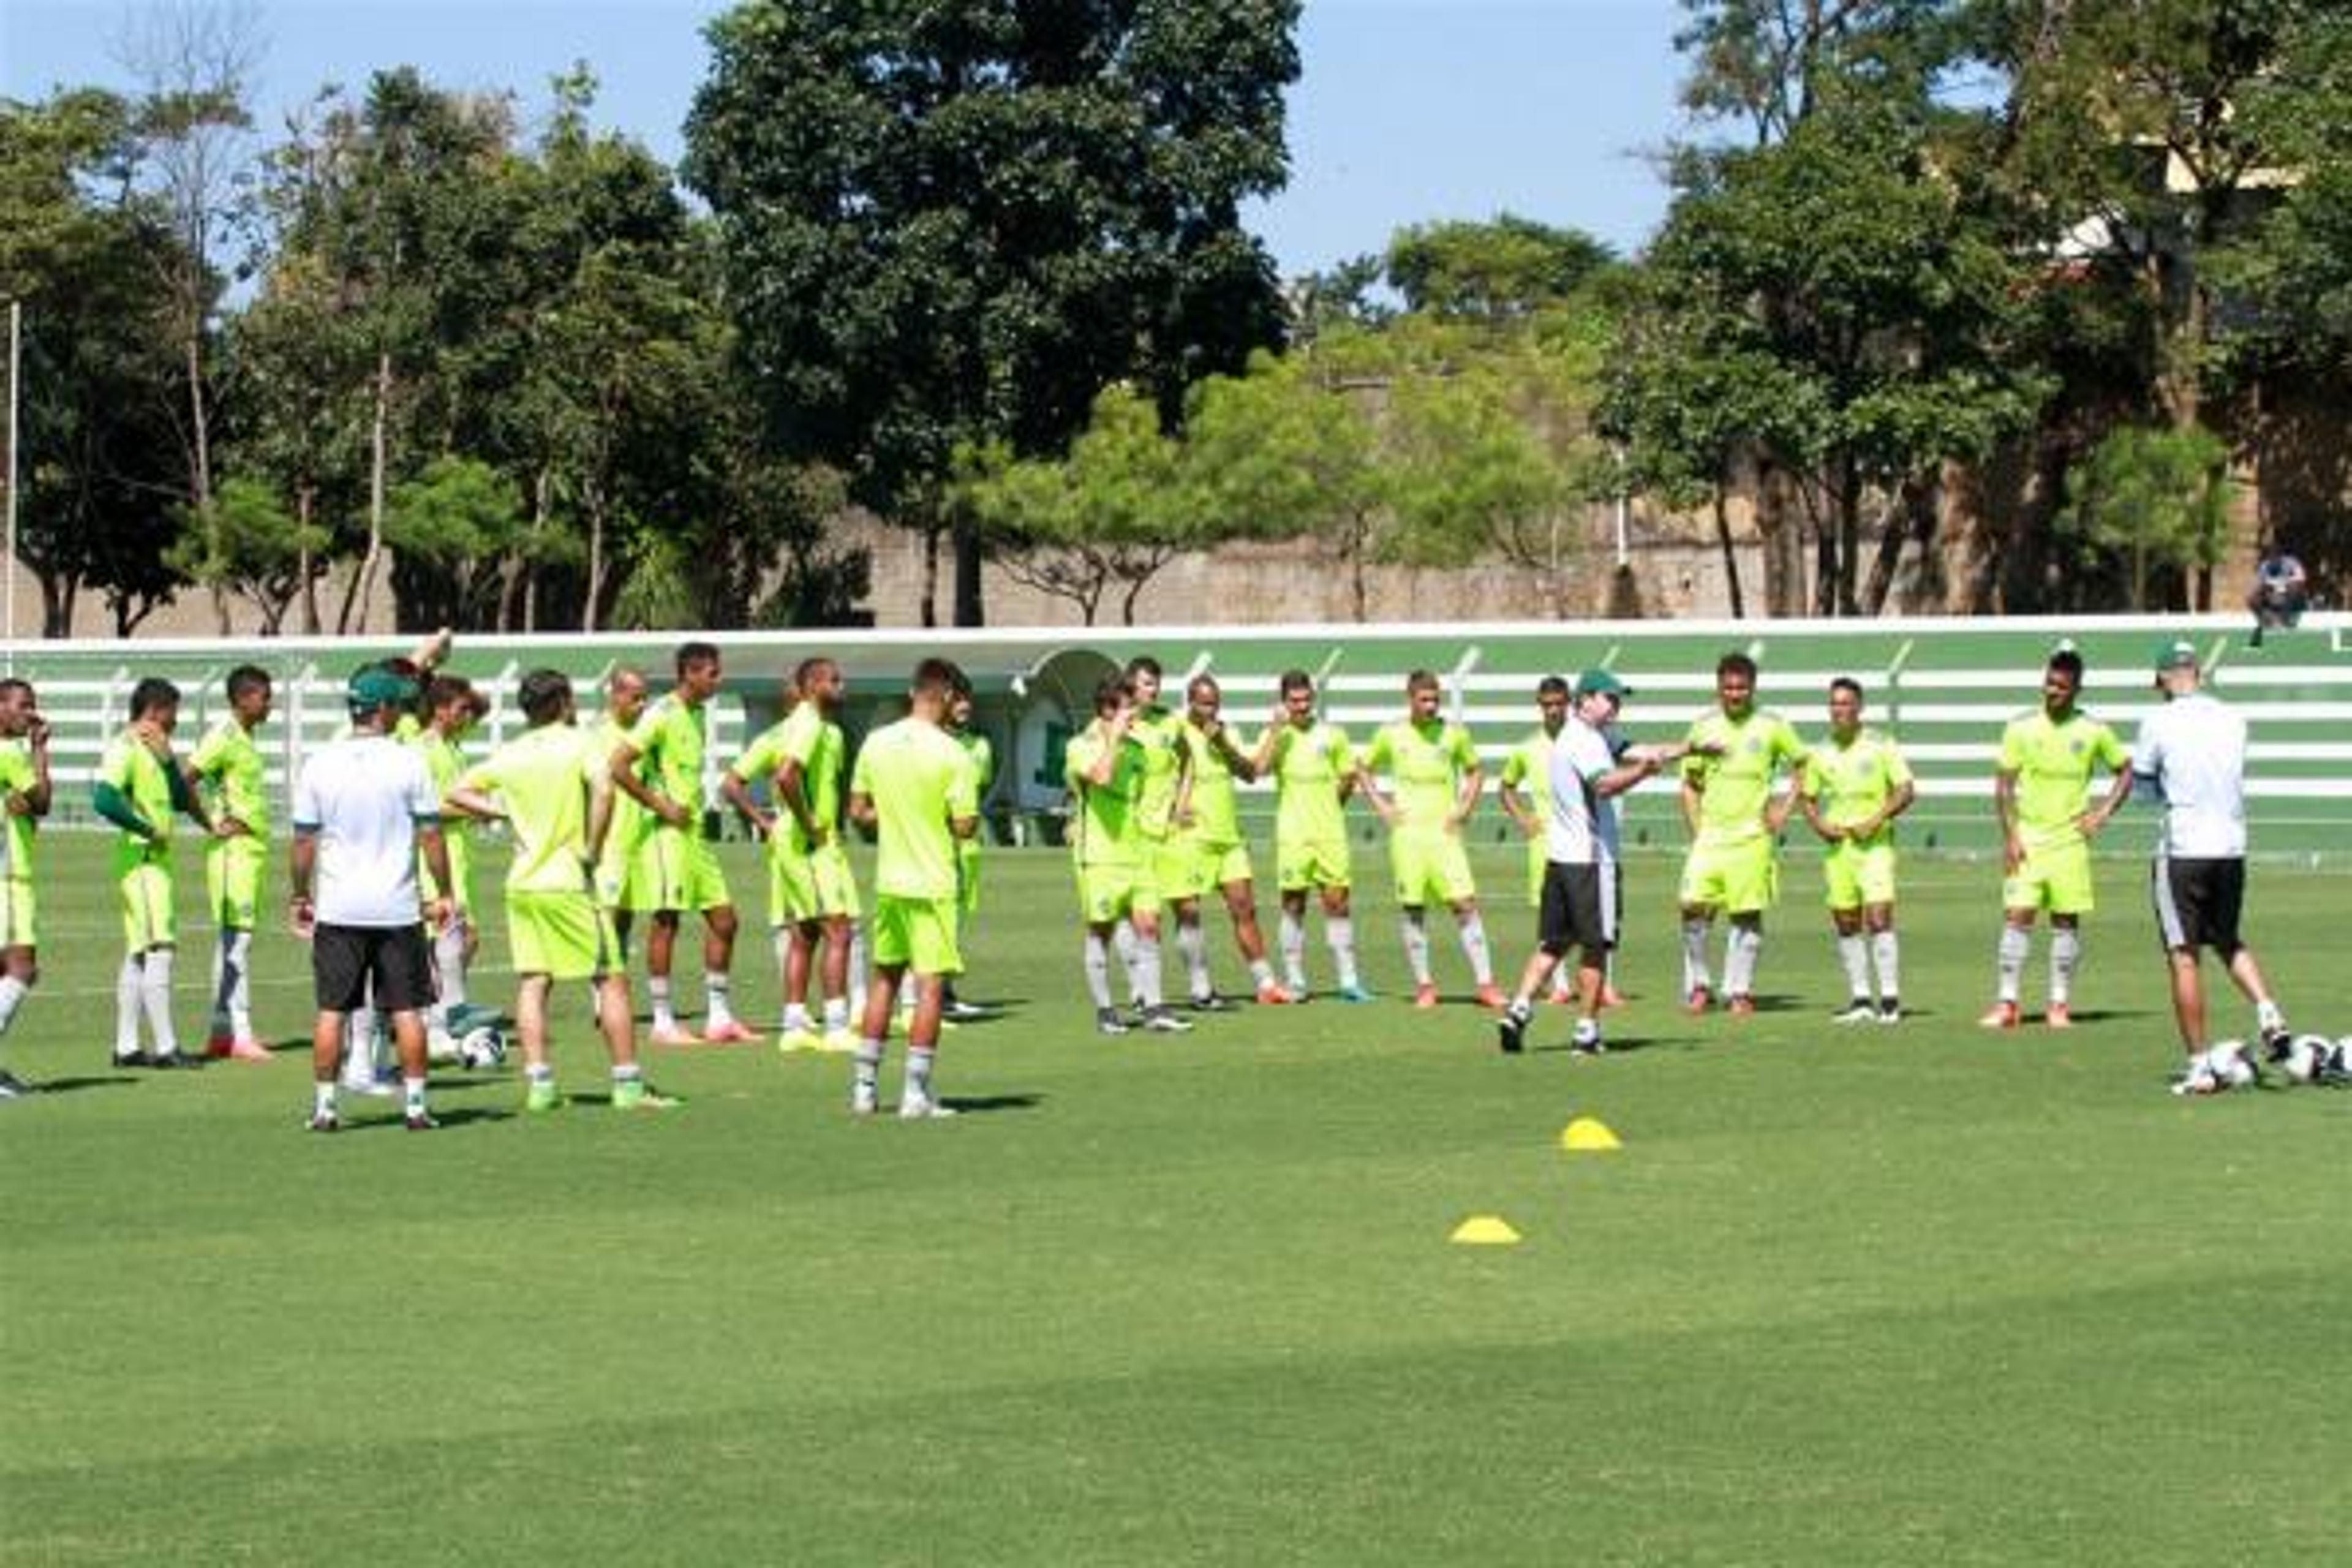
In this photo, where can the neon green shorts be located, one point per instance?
(1107, 892)
(1311, 863)
(1736, 879)
(1859, 874)
(1431, 867)
(19, 914)
(561, 935)
(147, 895)
(1213, 865)
(674, 870)
(2054, 877)
(234, 871)
(1175, 870)
(917, 934)
(968, 876)
(811, 887)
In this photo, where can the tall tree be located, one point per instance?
(953, 222)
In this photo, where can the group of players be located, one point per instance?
(607, 824)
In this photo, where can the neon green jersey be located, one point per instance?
(1216, 802)
(1108, 824)
(620, 835)
(444, 764)
(17, 777)
(807, 737)
(670, 738)
(920, 782)
(142, 778)
(229, 764)
(1161, 734)
(1425, 765)
(2052, 764)
(1737, 785)
(1853, 780)
(543, 780)
(1527, 769)
(1309, 767)
(983, 757)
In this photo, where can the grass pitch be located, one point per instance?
(1846, 1296)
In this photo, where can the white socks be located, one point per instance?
(716, 1005)
(1884, 952)
(1696, 977)
(2065, 954)
(13, 992)
(1740, 949)
(1192, 941)
(1292, 938)
(1098, 971)
(1853, 957)
(448, 970)
(1415, 928)
(657, 987)
(1340, 933)
(1474, 948)
(232, 998)
(126, 1006)
(156, 999)
(2016, 946)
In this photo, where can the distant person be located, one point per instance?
(1209, 831)
(1314, 771)
(1735, 819)
(1853, 787)
(228, 768)
(2282, 593)
(25, 795)
(1435, 780)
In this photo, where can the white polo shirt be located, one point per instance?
(362, 797)
(1582, 830)
(2191, 756)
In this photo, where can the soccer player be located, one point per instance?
(553, 788)
(1734, 819)
(2044, 776)
(451, 708)
(228, 770)
(2191, 756)
(813, 902)
(675, 869)
(25, 795)
(983, 755)
(1208, 841)
(1314, 767)
(1528, 767)
(1161, 734)
(1851, 791)
(140, 787)
(625, 696)
(1106, 769)
(365, 808)
(914, 784)
(1583, 900)
(1433, 773)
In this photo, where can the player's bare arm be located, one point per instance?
(791, 788)
(2004, 805)
(737, 793)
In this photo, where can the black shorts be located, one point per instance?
(388, 967)
(2198, 903)
(1583, 906)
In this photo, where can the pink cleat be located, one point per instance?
(247, 1050)
(730, 1033)
(673, 1035)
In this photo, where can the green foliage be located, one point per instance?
(1491, 271)
(2159, 499)
(244, 540)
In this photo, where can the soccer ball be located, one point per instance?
(2305, 1059)
(2231, 1067)
(483, 1047)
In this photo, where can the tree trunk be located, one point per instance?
(1359, 540)
(927, 608)
(969, 609)
(1730, 553)
(1915, 517)
(304, 499)
(588, 615)
(363, 583)
(1849, 534)
(56, 605)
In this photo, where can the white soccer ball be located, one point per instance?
(482, 1049)
(2308, 1057)
(2230, 1066)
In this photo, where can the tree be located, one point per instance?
(466, 519)
(244, 541)
(2157, 498)
(950, 223)
(1495, 271)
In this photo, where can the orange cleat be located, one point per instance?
(1424, 996)
(2058, 1016)
(1999, 1016)
(1610, 997)
(1698, 1001)
(1741, 1006)
(673, 1036)
(246, 1051)
(1492, 997)
(1271, 995)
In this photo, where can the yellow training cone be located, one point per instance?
(1586, 1136)
(1485, 1230)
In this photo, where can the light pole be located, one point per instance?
(16, 358)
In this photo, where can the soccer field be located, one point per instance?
(1845, 1296)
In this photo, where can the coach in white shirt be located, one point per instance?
(365, 808)
(2191, 757)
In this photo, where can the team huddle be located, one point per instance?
(606, 827)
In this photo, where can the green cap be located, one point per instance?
(1602, 683)
(375, 687)
(2175, 652)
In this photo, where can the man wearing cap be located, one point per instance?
(2191, 758)
(2047, 759)
(1583, 900)
(364, 809)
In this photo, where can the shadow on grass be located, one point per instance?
(448, 1119)
(76, 1085)
(984, 1104)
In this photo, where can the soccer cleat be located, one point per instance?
(325, 1121)
(1354, 993)
(1999, 1016)
(793, 1040)
(1699, 1000)
(1511, 1031)
(12, 1087)
(1858, 1011)
(217, 1047)
(1273, 995)
(1587, 1040)
(1108, 1022)
(173, 1061)
(838, 1042)
(1610, 997)
(249, 1050)
(1211, 1003)
(2058, 1016)
(129, 1061)
(1562, 998)
(862, 1100)
(1490, 995)
(733, 1032)
(961, 1011)
(673, 1034)
(2199, 1080)
(1741, 1006)
(636, 1094)
(1890, 1011)
(1424, 996)
(542, 1097)
(1164, 1021)
(2278, 1041)
(419, 1121)
(920, 1107)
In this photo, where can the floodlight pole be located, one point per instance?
(16, 359)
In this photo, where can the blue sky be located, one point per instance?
(1408, 111)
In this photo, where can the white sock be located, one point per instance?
(1340, 931)
(322, 1097)
(1886, 954)
(1696, 977)
(1564, 982)
(1741, 948)
(126, 1006)
(1853, 957)
(1193, 942)
(1146, 971)
(156, 999)
(238, 960)
(1475, 949)
(2065, 955)
(1123, 942)
(857, 971)
(2016, 946)
(836, 1014)
(1292, 938)
(12, 996)
(359, 1045)
(1098, 971)
(717, 1001)
(868, 1068)
(796, 1017)
(1261, 972)
(412, 1095)
(2269, 1016)
(448, 971)
(657, 987)
(919, 1074)
(1415, 931)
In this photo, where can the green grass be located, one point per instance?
(1845, 1296)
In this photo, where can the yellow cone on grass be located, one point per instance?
(1485, 1230)
(1586, 1136)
